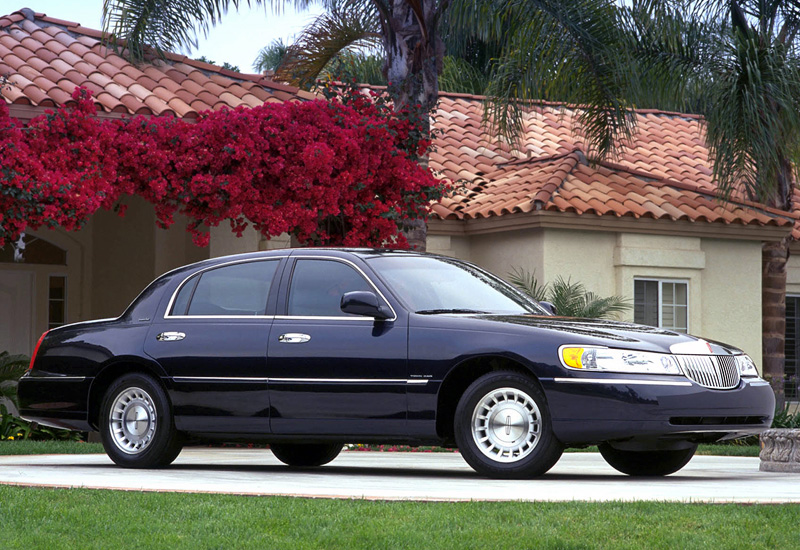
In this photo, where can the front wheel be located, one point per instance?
(646, 463)
(136, 424)
(306, 455)
(503, 427)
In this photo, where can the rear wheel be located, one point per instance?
(646, 463)
(136, 424)
(503, 427)
(306, 454)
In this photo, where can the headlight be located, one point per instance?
(618, 360)
(746, 366)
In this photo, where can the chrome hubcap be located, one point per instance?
(506, 424)
(132, 420)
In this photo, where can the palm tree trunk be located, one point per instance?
(414, 61)
(773, 291)
(773, 304)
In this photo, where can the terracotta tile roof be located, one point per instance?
(663, 173)
(46, 58)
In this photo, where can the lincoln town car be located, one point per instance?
(309, 349)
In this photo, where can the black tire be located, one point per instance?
(305, 455)
(136, 424)
(646, 463)
(525, 444)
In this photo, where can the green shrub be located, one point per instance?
(11, 368)
(569, 299)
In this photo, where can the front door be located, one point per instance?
(332, 373)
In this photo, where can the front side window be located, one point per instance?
(239, 289)
(318, 286)
(661, 303)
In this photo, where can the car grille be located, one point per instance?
(712, 371)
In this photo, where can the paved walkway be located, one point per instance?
(406, 476)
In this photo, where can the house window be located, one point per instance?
(29, 249)
(792, 350)
(57, 302)
(661, 303)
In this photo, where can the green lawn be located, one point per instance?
(25, 447)
(82, 519)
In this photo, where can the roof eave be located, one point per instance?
(543, 219)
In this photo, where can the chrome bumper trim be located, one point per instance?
(622, 381)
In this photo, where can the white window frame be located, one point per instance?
(661, 298)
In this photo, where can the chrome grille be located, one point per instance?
(712, 371)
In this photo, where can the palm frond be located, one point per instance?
(527, 282)
(271, 56)
(565, 51)
(570, 299)
(460, 76)
(351, 26)
(164, 25)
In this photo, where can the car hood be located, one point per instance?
(613, 334)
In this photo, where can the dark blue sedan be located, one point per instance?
(307, 349)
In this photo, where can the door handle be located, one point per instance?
(170, 336)
(293, 338)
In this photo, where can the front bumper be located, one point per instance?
(652, 408)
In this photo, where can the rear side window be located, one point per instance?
(239, 289)
(318, 285)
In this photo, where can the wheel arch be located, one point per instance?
(464, 373)
(112, 371)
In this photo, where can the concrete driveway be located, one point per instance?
(406, 476)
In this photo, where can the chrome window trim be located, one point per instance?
(215, 266)
(336, 317)
(262, 317)
(623, 381)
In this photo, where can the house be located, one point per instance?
(52, 277)
(646, 225)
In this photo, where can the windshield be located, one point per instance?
(441, 285)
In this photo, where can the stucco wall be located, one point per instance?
(127, 253)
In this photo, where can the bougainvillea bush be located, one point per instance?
(336, 172)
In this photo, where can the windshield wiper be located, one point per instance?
(454, 310)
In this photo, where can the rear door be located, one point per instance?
(213, 344)
(332, 373)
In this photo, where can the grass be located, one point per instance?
(27, 447)
(60, 518)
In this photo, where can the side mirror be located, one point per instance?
(364, 303)
(548, 307)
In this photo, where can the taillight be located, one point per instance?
(36, 349)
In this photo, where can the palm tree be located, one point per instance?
(744, 58)
(270, 56)
(548, 45)
(569, 299)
